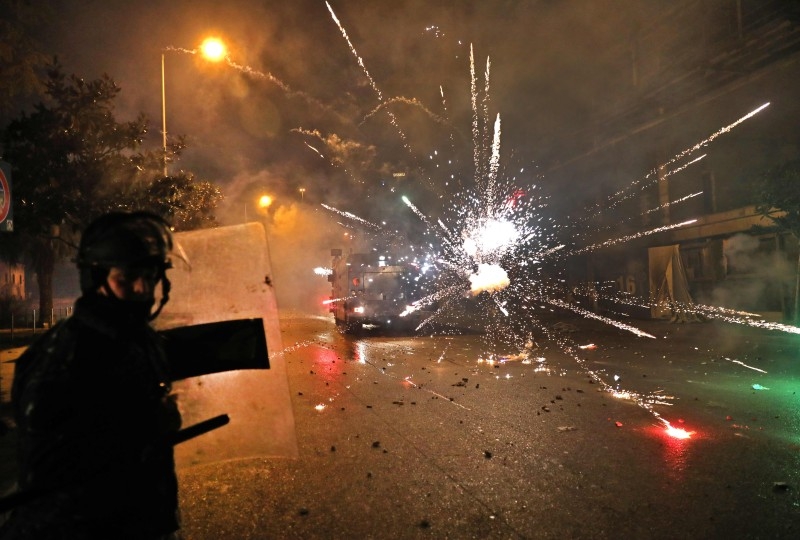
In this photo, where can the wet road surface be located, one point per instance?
(422, 437)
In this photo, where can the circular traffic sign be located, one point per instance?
(5, 197)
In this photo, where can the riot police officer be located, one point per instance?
(92, 398)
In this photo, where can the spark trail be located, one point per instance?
(247, 70)
(378, 93)
(338, 147)
(413, 102)
(646, 402)
(671, 203)
(354, 217)
(614, 199)
(630, 237)
(372, 83)
(621, 196)
(591, 315)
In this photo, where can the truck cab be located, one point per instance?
(372, 290)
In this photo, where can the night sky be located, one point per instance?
(296, 83)
(292, 107)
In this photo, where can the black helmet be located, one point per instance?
(127, 240)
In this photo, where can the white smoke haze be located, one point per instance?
(300, 240)
(488, 278)
(755, 275)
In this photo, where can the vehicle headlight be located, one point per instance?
(358, 309)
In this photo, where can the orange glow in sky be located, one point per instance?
(213, 49)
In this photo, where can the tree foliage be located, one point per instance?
(72, 161)
(186, 203)
(21, 57)
(778, 196)
(778, 193)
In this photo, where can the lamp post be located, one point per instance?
(213, 50)
(302, 193)
(164, 114)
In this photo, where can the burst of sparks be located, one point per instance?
(494, 232)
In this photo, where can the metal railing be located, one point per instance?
(20, 325)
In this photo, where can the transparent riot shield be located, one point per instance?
(227, 278)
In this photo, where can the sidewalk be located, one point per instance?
(8, 358)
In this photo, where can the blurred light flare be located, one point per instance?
(213, 49)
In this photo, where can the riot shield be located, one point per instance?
(228, 279)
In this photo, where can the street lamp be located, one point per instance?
(264, 202)
(213, 50)
(302, 193)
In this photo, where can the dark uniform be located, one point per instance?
(95, 420)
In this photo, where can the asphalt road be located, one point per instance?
(453, 436)
(423, 437)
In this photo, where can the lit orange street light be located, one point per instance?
(213, 49)
(302, 193)
(264, 201)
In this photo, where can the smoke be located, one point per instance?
(300, 239)
(756, 276)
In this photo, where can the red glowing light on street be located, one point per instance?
(678, 433)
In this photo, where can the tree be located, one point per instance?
(72, 161)
(186, 203)
(778, 193)
(21, 57)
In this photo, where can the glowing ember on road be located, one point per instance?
(677, 433)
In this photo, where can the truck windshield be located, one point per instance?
(384, 284)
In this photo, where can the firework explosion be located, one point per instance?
(491, 244)
(489, 254)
